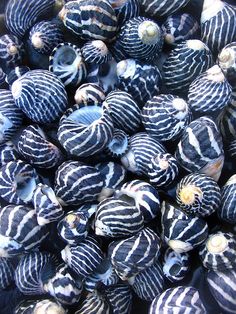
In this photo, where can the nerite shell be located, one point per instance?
(227, 210)
(118, 145)
(95, 52)
(94, 303)
(8, 153)
(227, 61)
(11, 51)
(89, 93)
(125, 10)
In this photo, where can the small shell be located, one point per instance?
(8, 153)
(119, 144)
(227, 210)
(89, 93)
(120, 297)
(45, 306)
(227, 122)
(227, 61)
(7, 272)
(16, 73)
(96, 52)
(11, 50)
(94, 303)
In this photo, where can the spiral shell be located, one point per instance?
(89, 93)
(94, 303)
(118, 145)
(8, 153)
(120, 297)
(232, 149)
(7, 272)
(11, 50)
(227, 62)
(227, 211)
(16, 73)
(125, 10)
(96, 52)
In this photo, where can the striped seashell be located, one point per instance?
(85, 130)
(227, 121)
(142, 148)
(227, 62)
(117, 51)
(3, 77)
(227, 211)
(90, 19)
(36, 149)
(217, 19)
(16, 73)
(180, 231)
(45, 306)
(219, 251)
(8, 153)
(67, 63)
(89, 93)
(201, 149)
(165, 117)
(232, 149)
(198, 194)
(139, 79)
(11, 117)
(7, 272)
(77, 183)
(120, 298)
(134, 254)
(143, 195)
(175, 265)
(84, 257)
(141, 38)
(46, 205)
(28, 12)
(148, 283)
(11, 50)
(125, 10)
(18, 181)
(95, 52)
(163, 169)
(40, 95)
(189, 59)
(118, 145)
(19, 230)
(179, 27)
(94, 303)
(124, 111)
(178, 300)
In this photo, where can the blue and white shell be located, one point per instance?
(15, 73)
(94, 303)
(118, 145)
(120, 297)
(7, 272)
(96, 52)
(89, 93)
(11, 51)
(125, 10)
(8, 153)
(227, 211)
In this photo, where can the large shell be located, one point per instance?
(8, 153)
(227, 210)
(11, 51)
(120, 297)
(94, 303)
(125, 10)
(89, 93)
(7, 272)
(96, 52)
(45, 306)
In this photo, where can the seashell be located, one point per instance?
(163, 169)
(28, 13)
(37, 150)
(77, 183)
(125, 10)
(96, 52)
(8, 153)
(89, 93)
(178, 300)
(16, 73)
(232, 149)
(227, 121)
(139, 79)
(143, 195)
(120, 298)
(7, 272)
(118, 145)
(19, 230)
(117, 51)
(180, 231)
(134, 254)
(90, 19)
(84, 257)
(216, 19)
(94, 303)
(67, 63)
(227, 62)
(175, 265)
(227, 211)
(219, 251)
(189, 59)
(165, 117)
(46, 205)
(198, 194)
(2, 77)
(179, 27)
(124, 111)
(45, 306)
(85, 130)
(10, 116)
(141, 38)
(11, 50)
(40, 95)
(201, 149)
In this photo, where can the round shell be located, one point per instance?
(119, 144)
(96, 52)
(7, 272)
(11, 50)
(227, 210)
(8, 153)
(89, 93)
(120, 297)
(94, 303)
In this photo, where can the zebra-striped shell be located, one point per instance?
(143, 195)
(180, 231)
(96, 52)
(11, 50)
(85, 130)
(223, 288)
(3, 77)
(120, 298)
(124, 111)
(178, 300)
(210, 91)
(18, 181)
(7, 272)
(8, 153)
(227, 61)
(179, 27)
(76, 183)
(117, 51)
(165, 117)
(227, 209)
(45, 306)
(15, 73)
(219, 251)
(148, 283)
(90, 19)
(141, 38)
(94, 303)
(201, 149)
(37, 150)
(40, 95)
(133, 255)
(218, 23)
(142, 148)
(118, 145)
(84, 257)
(139, 79)
(89, 93)
(189, 59)
(175, 265)
(232, 149)
(21, 15)
(227, 122)
(11, 116)
(125, 10)
(198, 194)
(19, 230)
(163, 169)
(46, 205)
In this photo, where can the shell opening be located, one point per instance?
(86, 115)
(66, 57)
(37, 41)
(189, 193)
(149, 32)
(24, 187)
(217, 244)
(118, 146)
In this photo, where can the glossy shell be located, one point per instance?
(227, 62)
(161, 8)
(96, 52)
(7, 272)
(11, 50)
(227, 211)
(89, 93)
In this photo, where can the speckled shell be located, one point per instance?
(165, 117)
(198, 194)
(201, 149)
(180, 231)
(118, 145)
(128, 260)
(227, 122)
(42, 305)
(120, 297)
(184, 63)
(76, 183)
(7, 272)
(15, 73)
(40, 95)
(89, 93)
(162, 8)
(178, 300)
(125, 10)
(8, 153)
(11, 50)
(227, 210)
(96, 52)
(94, 303)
